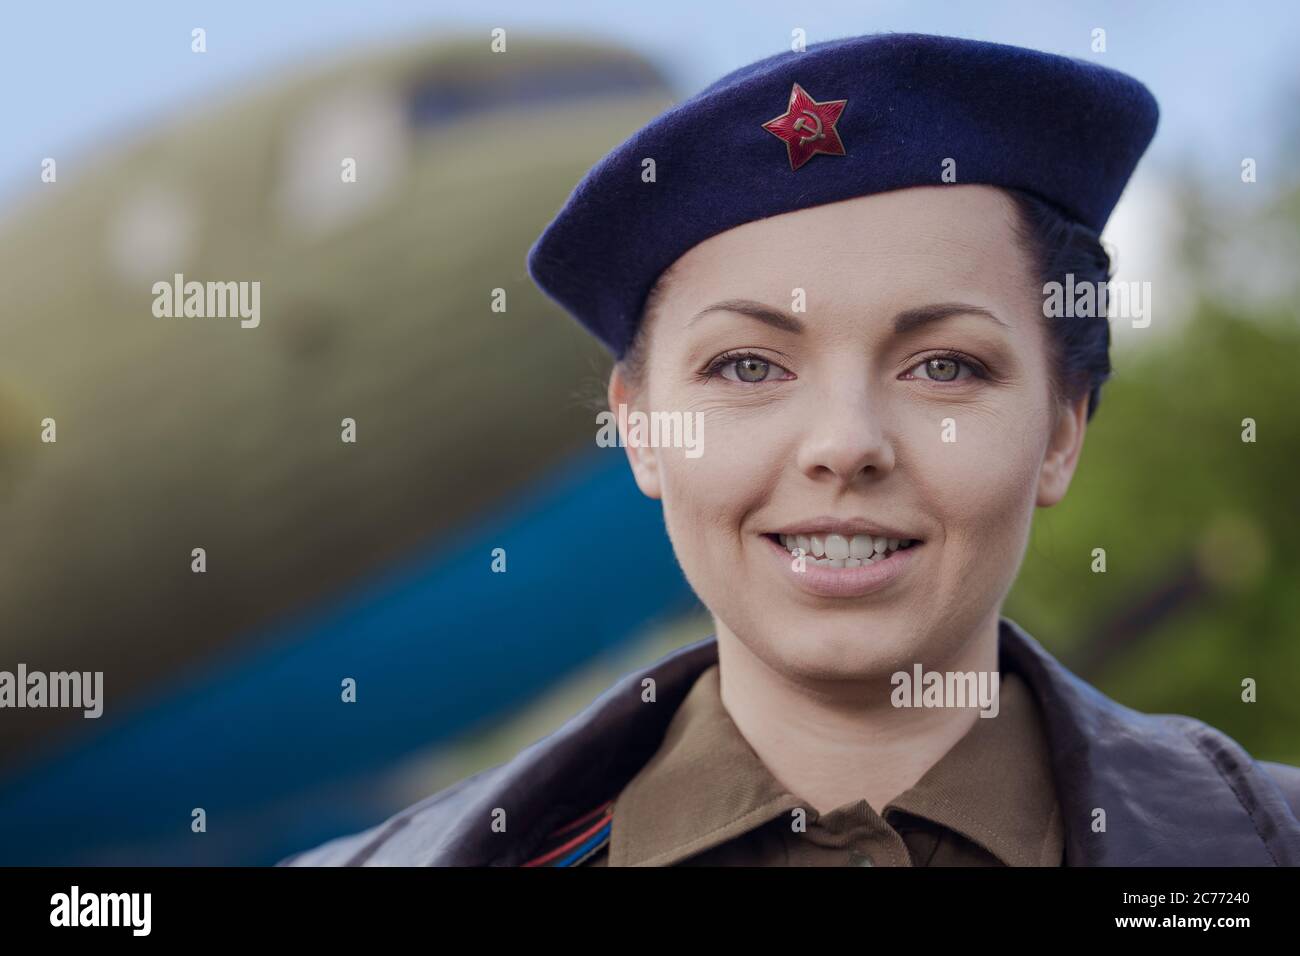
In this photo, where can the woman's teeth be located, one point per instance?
(838, 551)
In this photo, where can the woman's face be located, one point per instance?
(899, 385)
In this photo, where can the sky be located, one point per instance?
(79, 74)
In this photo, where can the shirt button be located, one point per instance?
(859, 859)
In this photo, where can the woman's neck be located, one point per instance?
(837, 742)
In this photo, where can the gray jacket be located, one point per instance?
(1175, 791)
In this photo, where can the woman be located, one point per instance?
(836, 261)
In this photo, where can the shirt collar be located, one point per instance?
(995, 785)
(705, 785)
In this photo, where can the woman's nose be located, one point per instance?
(847, 435)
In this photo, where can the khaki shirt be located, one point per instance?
(706, 799)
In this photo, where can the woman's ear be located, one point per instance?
(1063, 448)
(644, 461)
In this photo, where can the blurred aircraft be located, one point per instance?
(473, 430)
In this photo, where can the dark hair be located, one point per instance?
(1057, 246)
(632, 361)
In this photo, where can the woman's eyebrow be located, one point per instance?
(755, 310)
(912, 319)
(904, 322)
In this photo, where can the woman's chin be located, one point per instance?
(840, 655)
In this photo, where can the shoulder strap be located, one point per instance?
(577, 840)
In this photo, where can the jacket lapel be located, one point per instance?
(584, 763)
(1173, 790)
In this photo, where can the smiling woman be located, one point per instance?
(887, 404)
(912, 400)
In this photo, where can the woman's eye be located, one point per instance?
(746, 369)
(941, 368)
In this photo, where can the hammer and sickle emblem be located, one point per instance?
(816, 127)
(807, 127)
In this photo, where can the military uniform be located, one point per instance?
(706, 799)
(1064, 775)
(1172, 790)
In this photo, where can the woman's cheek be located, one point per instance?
(707, 499)
(980, 485)
(734, 454)
(698, 493)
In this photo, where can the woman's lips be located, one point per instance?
(827, 581)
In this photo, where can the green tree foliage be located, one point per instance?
(1166, 482)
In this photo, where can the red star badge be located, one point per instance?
(808, 127)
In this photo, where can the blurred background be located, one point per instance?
(474, 428)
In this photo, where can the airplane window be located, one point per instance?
(442, 99)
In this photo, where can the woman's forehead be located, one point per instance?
(885, 245)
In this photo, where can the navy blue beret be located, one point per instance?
(844, 118)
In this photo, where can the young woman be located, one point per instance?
(835, 260)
